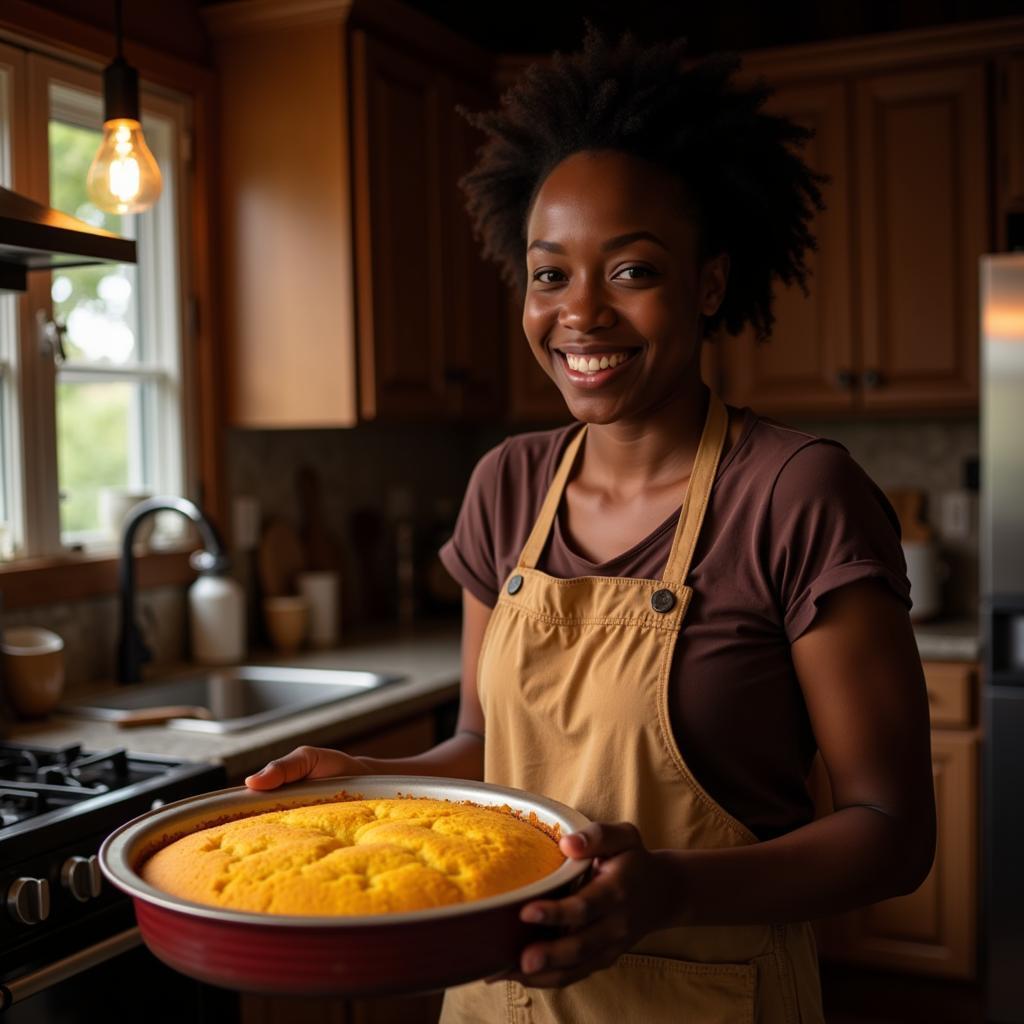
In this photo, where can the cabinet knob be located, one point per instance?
(871, 379)
(845, 380)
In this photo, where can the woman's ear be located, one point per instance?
(714, 276)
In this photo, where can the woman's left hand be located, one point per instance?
(624, 900)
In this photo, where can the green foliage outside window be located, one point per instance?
(94, 419)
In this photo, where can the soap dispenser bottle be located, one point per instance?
(216, 606)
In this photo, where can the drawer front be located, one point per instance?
(951, 687)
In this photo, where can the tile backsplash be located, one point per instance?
(928, 455)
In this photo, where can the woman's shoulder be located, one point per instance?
(769, 449)
(794, 471)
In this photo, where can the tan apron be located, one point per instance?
(573, 680)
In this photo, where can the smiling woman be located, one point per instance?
(671, 605)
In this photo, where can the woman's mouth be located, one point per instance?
(593, 370)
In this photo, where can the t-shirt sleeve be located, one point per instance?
(829, 525)
(470, 553)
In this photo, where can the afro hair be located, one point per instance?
(752, 194)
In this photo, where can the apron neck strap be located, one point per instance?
(695, 502)
(530, 554)
(698, 492)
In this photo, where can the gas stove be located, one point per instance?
(57, 805)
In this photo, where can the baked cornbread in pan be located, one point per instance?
(357, 857)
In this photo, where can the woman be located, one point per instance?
(669, 609)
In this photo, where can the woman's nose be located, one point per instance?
(585, 306)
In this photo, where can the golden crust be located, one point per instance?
(357, 857)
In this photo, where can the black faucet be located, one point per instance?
(131, 649)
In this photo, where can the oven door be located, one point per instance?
(114, 979)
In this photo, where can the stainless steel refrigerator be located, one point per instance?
(1002, 609)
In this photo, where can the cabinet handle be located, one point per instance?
(871, 379)
(844, 380)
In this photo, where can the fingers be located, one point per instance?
(301, 763)
(601, 840)
(551, 964)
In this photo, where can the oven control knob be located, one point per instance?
(28, 900)
(81, 877)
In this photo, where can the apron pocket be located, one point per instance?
(655, 990)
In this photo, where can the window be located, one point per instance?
(118, 388)
(10, 461)
(108, 412)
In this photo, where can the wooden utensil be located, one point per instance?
(161, 714)
(908, 504)
(281, 558)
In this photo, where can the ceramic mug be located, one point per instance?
(286, 618)
(33, 669)
(115, 504)
(320, 589)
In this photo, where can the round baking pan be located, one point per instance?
(379, 954)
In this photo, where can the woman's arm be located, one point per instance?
(461, 757)
(861, 676)
(862, 680)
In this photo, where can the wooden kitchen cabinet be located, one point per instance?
(933, 930)
(429, 306)
(1011, 142)
(891, 319)
(353, 289)
(922, 151)
(808, 363)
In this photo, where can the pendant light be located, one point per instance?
(123, 176)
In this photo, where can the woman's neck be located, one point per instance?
(633, 455)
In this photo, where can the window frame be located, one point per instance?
(161, 320)
(47, 578)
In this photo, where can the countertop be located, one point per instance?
(429, 661)
(949, 640)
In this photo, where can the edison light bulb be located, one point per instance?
(123, 177)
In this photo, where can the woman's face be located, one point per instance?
(614, 290)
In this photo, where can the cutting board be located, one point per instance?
(281, 558)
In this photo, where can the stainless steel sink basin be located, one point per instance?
(236, 698)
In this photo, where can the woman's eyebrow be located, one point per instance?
(613, 243)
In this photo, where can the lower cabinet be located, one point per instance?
(933, 930)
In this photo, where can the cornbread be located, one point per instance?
(356, 857)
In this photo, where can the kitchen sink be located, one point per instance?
(235, 698)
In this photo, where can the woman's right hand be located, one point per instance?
(305, 763)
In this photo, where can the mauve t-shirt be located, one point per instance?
(791, 518)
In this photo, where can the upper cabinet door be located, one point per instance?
(473, 295)
(808, 363)
(923, 218)
(397, 123)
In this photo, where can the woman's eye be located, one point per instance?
(643, 272)
(539, 275)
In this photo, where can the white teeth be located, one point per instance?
(591, 365)
(584, 364)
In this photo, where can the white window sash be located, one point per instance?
(72, 95)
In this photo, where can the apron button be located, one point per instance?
(663, 601)
(515, 584)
